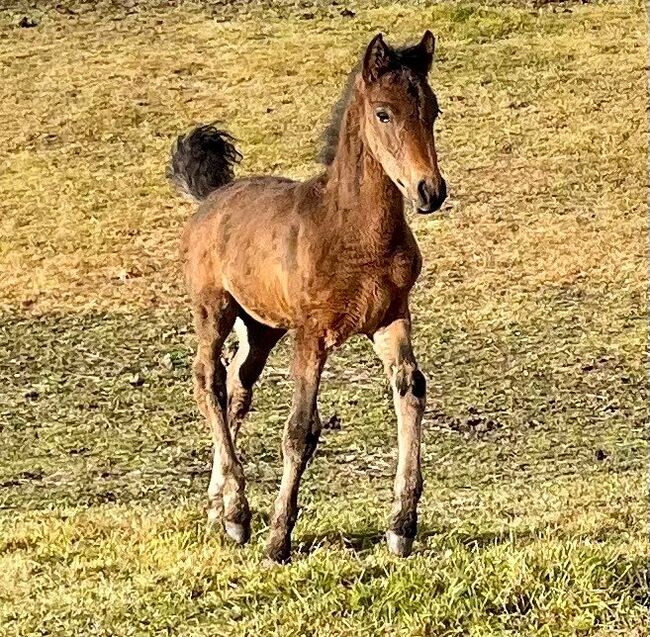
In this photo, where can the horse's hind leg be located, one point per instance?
(214, 315)
(255, 344)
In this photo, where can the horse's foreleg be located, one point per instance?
(301, 434)
(393, 346)
(214, 318)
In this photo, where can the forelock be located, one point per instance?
(413, 83)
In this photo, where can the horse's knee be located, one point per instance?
(409, 380)
(300, 441)
(418, 384)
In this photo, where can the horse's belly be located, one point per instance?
(265, 297)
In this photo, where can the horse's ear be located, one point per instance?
(425, 50)
(419, 57)
(377, 59)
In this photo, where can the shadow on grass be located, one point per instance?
(356, 541)
(363, 541)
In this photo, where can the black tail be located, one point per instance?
(202, 161)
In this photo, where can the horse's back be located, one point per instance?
(243, 232)
(243, 196)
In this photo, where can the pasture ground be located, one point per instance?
(529, 324)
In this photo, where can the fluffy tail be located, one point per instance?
(202, 161)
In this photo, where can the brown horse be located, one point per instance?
(327, 258)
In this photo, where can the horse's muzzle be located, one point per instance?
(431, 197)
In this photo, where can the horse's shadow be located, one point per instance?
(363, 541)
(356, 541)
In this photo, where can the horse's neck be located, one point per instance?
(361, 195)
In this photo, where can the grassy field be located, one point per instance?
(530, 321)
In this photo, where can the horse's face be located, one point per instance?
(399, 113)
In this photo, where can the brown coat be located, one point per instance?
(327, 258)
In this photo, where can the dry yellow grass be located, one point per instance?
(543, 139)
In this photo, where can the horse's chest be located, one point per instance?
(405, 268)
(365, 296)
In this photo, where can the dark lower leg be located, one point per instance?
(299, 443)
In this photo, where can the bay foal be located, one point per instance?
(326, 258)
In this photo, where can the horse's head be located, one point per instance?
(399, 113)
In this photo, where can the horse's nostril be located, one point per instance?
(423, 193)
(431, 195)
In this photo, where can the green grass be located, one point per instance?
(530, 321)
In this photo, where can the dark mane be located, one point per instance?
(405, 56)
(330, 136)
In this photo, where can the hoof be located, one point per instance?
(398, 544)
(280, 553)
(238, 533)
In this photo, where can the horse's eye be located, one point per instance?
(383, 117)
